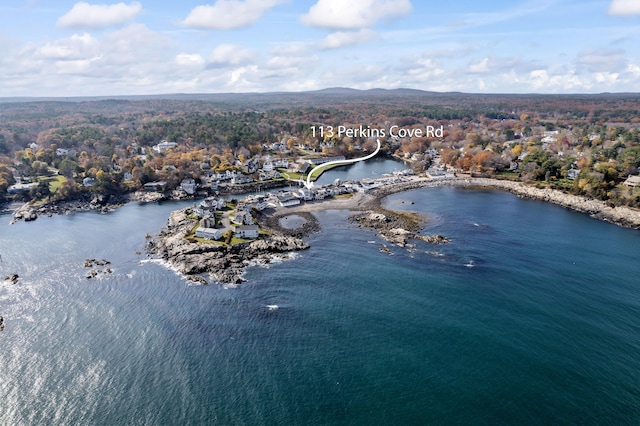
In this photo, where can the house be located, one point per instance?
(159, 186)
(209, 205)
(288, 200)
(243, 218)
(305, 194)
(128, 176)
(62, 152)
(88, 182)
(240, 179)
(188, 186)
(281, 164)
(572, 174)
(247, 231)
(208, 233)
(632, 181)
(208, 221)
(164, 146)
(301, 168)
(249, 167)
(21, 187)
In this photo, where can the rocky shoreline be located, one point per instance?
(622, 216)
(224, 263)
(29, 212)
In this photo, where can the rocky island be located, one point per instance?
(224, 262)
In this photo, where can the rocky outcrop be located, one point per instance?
(100, 203)
(93, 271)
(25, 212)
(395, 227)
(226, 263)
(11, 279)
(1, 323)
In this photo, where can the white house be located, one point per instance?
(61, 152)
(281, 164)
(247, 231)
(163, 146)
(209, 205)
(209, 233)
(188, 186)
(632, 181)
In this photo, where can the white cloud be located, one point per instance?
(353, 14)
(76, 47)
(634, 70)
(624, 7)
(229, 14)
(231, 54)
(481, 67)
(189, 60)
(345, 38)
(85, 15)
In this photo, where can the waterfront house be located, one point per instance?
(241, 179)
(209, 205)
(288, 200)
(188, 186)
(247, 231)
(208, 233)
(159, 186)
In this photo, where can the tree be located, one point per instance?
(40, 191)
(67, 167)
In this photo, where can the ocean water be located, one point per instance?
(531, 315)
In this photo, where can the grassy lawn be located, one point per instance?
(505, 174)
(55, 182)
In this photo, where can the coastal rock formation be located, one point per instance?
(25, 212)
(1, 323)
(396, 227)
(227, 263)
(11, 279)
(91, 263)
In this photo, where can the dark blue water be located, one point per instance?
(373, 168)
(530, 316)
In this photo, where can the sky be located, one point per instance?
(67, 48)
